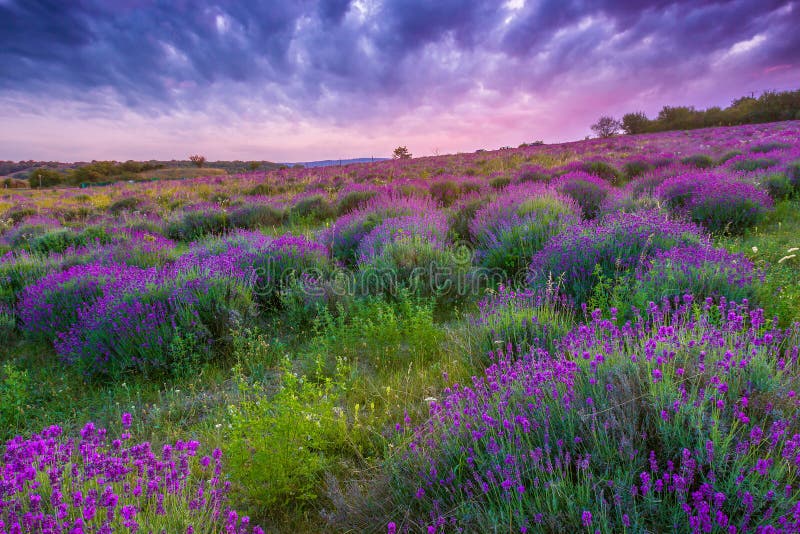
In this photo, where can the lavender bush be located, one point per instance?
(52, 483)
(517, 223)
(717, 201)
(699, 270)
(684, 420)
(612, 247)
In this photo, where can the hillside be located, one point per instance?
(593, 335)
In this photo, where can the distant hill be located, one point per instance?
(332, 162)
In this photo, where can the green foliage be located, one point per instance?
(499, 182)
(417, 265)
(778, 185)
(125, 204)
(445, 192)
(793, 173)
(15, 386)
(522, 322)
(279, 446)
(252, 216)
(768, 147)
(770, 106)
(635, 123)
(262, 189)
(750, 165)
(109, 171)
(45, 178)
(380, 334)
(701, 161)
(353, 200)
(604, 170)
(459, 219)
(774, 247)
(314, 208)
(401, 152)
(195, 224)
(634, 168)
(611, 291)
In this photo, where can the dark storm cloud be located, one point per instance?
(316, 56)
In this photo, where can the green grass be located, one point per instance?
(770, 247)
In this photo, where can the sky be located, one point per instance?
(297, 80)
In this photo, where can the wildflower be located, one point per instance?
(586, 518)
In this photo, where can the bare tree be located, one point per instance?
(606, 126)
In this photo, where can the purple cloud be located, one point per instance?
(366, 69)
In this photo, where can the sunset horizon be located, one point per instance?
(337, 80)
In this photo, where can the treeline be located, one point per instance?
(771, 106)
(94, 172)
(38, 174)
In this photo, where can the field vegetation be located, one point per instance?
(592, 336)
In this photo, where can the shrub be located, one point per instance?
(32, 227)
(499, 182)
(15, 394)
(778, 186)
(701, 161)
(587, 190)
(53, 483)
(750, 165)
(604, 170)
(8, 323)
(281, 260)
(717, 201)
(155, 322)
(768, 147)
(353, 200)
(17, 270)
(136, 248)
(414, 263)
(531, 173)
(312, 207)
(53, 304)
(619, 431)
(512, 227)
(195, 224)
(262, 190)
(279, 446)
(461, 215)
(611, 248)
(429, 226)
(19, 213)
(347, 231)
(728, 156)
(252, 216)
(793, 173)
(516, 321)
(124, 204)
(699, 270)
(635, 168)
(445, 192)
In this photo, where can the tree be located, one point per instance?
(635, 123)
(401, 152)
(606, 126)
(44, 178)
(254, 165)
(198, 160)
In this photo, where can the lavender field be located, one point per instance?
(599, 336)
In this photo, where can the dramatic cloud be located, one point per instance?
(294, 79)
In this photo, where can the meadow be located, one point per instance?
(599, 336)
